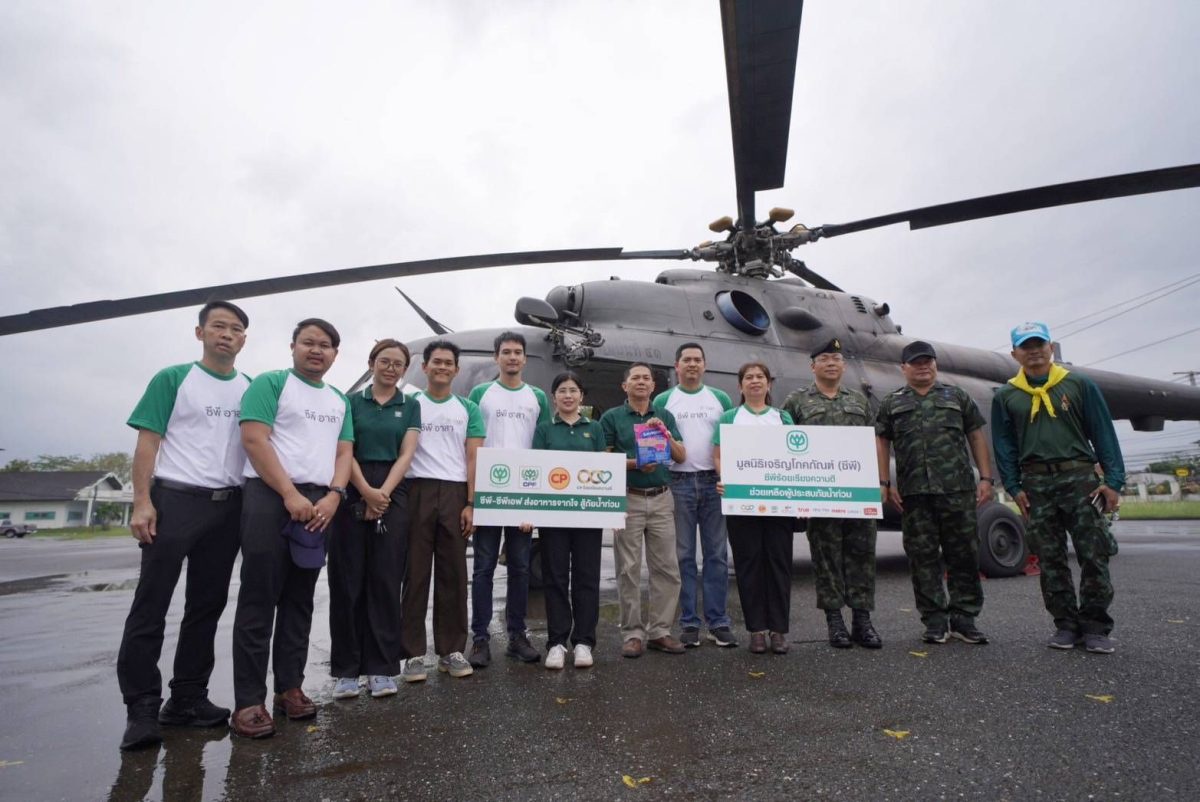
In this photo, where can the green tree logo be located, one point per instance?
(797, 442)
(500, 474)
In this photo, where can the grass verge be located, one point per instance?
(1159, 510)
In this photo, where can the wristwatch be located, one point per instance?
(988, 479)
(341, 491)
(884, 483)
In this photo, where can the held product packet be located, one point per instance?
(652, 445)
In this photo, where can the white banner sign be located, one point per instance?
(572, 489)
(813, 471)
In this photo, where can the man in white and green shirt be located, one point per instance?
(298, 435)
(697, 408)
(511, 410)
(441, 511)
(187, 476)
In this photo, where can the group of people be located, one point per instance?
(288, 471)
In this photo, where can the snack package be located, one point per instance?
(652, 445)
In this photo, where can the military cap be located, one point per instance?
(834, 346)
(916, 350)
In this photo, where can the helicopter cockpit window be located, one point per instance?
(742, 311)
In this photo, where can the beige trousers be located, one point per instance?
(649, 522)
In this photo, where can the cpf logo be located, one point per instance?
(500, 474)
(797, 442)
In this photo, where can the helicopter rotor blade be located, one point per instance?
(813, 277)
(761, 38)
(438, 328)
(106, 310)
(1113, 186)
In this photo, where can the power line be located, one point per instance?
(1141, 347)
(1192, 279)
(1125, 311)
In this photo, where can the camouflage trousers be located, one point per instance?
(941, 539)
(1058, 505)
(843, 558)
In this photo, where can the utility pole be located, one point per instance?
(1191, 374)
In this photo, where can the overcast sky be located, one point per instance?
(149, 147)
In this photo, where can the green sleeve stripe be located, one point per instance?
(660, 400)
(543, 404)
(475, 425)
(153, 411)
(724, 398)
(787, 418)
(477, 392)
(260, 402)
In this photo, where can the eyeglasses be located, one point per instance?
(388, 364)
(568, 391)
(824, 358)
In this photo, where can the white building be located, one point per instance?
(58, 499)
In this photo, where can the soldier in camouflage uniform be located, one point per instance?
(1050, 427)
(843, 550)
(931, 424)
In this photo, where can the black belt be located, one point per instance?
(648, 492)
(309, 487)
(211, 493)
(693, 473)
(1062, 466)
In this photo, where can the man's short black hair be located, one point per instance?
(679, 351)
(444, 345)
(508, 337)
(234, 308)
(629, 369)
(323, 325)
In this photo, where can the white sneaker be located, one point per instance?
(583, 655)
(346, 688)
(556, 656)
(381, 686)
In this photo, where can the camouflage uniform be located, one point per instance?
(935, 480)
(843, 550)
(1051, 458)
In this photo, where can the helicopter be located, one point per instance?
(759, 302)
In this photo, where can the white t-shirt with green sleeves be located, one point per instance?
(442, 445)
(196, 412)
(307, 420)
(696, 414)
(744, 416)
(510, 415)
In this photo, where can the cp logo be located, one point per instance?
(559, 478)
(500, 474)
(797, 442)
(586, 477)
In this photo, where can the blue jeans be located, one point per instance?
(517, 547)
(697, 504)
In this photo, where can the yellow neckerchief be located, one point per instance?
(1040, 394)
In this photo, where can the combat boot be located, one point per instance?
(863, 632)
(839, 638)
(141, 725)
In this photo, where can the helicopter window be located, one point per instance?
(742, 311)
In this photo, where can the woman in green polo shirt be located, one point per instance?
(368, 554)
(570, 557)
(761, 545)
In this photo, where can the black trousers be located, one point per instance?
(762, 556)
(366, 572)
(205, 534)
(571, 570)
(275, 597)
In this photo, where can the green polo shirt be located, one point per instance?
(379, 429)
(584, 434)
(618, 435)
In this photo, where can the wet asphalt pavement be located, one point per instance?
(1010, 720)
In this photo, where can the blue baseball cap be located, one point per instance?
(1029, 331)
(307, 548)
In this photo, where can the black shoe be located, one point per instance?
(198, 712)
(964, 629)
(839, 638)
(481, 654)
(520, 648)
(690, 637)
(862, 631)
(141, 725)
(936, 632)
(723, 637)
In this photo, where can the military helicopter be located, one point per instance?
(758, 301)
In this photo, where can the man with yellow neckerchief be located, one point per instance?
(1050, 426)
